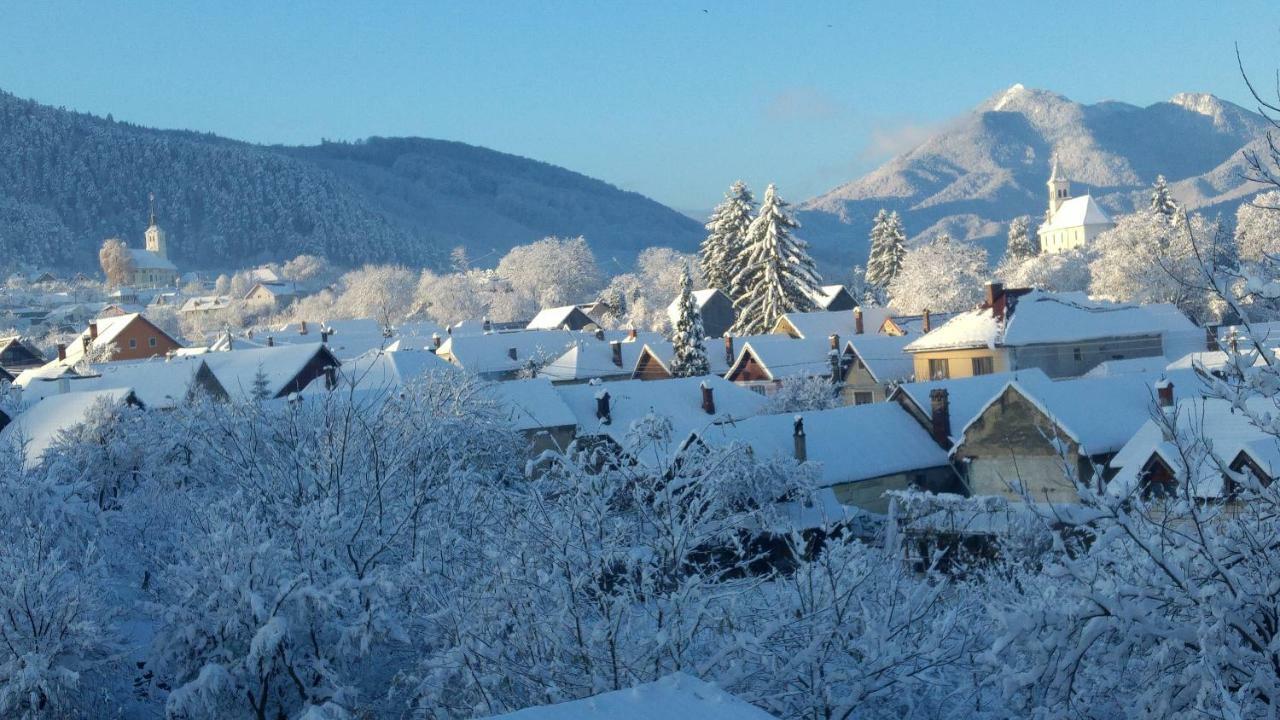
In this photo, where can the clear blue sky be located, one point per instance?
(671, 99)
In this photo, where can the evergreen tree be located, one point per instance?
(688, 341)
(260, 389)
(1161, 201)
(1020, 246)
(721, 254)
(888, 247)
(778, 276)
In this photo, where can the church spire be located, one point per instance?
(152, 198)
(1059, 188)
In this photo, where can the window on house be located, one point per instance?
(151, 342)
(863, 398)
(133, 342)
(983, 366)
(938, 369)
(1076, 355)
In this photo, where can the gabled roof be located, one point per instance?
(159, 383)
(110, 328)
(1077, 212)
(281, 365)
(678, 400)
(531, 404)
(490, 354)
(203, 303)
(851, 443)
(147, 260)
(557, 317)
(347, 338)
(1039, 317)
(784, 357)
(384, 370)
(41, 425)
(591, 358)
(663, 351)
(825, 295)
(1227, 430)
(700, 299)
(967, 396)
(674, 697)
(823, 323)
(884, 356)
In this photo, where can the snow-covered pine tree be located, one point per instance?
(690, 358)
(778, 276)
(1161, 201)
(888, 247)
(721, 254)
(1020, 246)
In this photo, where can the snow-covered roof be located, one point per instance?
(40, 425)
(147, 260)
(554, 318)
(348, 339)
(783, 356)
(1077, 212)
(884, 356)
(826, 294)
(824, 323)
(1129, 366)
(1041, 318)
(664, 352)
(491, 354)
(678, 400)
(968, 396)
(700, 299)
(389, 369)
(848, 444)
(237, 370)
(206, 303)
(674, 697)
(1266, 333)
(914, 324)
(159, 383)
(590, 358)
(1212, 433)
(531, 404)
(109, 328)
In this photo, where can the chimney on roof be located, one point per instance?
(93, 330)
(708, 398)
(834, 340)
(599, 333)
(728, 349)
(857, 321)
(924, 322)
(631, 334)
(602, 407)
(302, 328)
(615, 349)
(1211, 339)
(994, 291)
(1164, 393)
(488, 326)
(797, 435)
(85, 343)
(330, 377)
(62, 351)
(833, 356)
(511, 353)
(940, 417)
(271, 341)
(324, 336)
(436, 341)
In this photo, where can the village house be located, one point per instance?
(1044, 439)
(277, 295)
(654, 359)
(39, 427)
(859, 452)
(1064, 334)
(965, 398)
(765, 362)
(1202, 448)
(535, 409)
(873, 366)
(273, 372)
(17, 354)
(718, 313)
(124, 337)
(1070, 222)
(603, 355)
(159, 383)
(567, 317)
(205, 304)
(832, 298)
(382, 371)
(505, 355)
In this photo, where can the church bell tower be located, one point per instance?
(1059, 189)
(156, 241)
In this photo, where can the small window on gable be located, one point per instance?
(151, 342)
(863, 398)
(133, 342)
(1076, 354)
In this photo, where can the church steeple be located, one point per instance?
(1059, 188)
(156, 240)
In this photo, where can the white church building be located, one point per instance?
(1070, 222)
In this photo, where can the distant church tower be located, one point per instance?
(156, 241)
(1059, 189)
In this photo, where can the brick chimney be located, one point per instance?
(857, 321)
(62, 351)
(728, 350)
(488, 326)
(925, 326)
(615, 349)
(833, 340)
(602, 407)
(995, 299)
(1164, 393)
(599, 333)
(93, 331)
(324, 336)
(302, 328)
(940, 417)
(631, 334)
(511, 353)
(708, 399)
(797, 435)
(436, 341)
(271, 342)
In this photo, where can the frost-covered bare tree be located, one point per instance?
(941, 275)
(117, 263)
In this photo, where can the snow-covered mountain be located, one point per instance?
(68, 180)
(990, 165)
